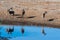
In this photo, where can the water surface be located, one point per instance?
(31, 33)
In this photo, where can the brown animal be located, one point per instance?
(23, 13)
(44, 14)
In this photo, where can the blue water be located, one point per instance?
(31, 33)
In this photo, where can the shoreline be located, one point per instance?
(27, 23)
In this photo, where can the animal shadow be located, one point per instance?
(27, 17)
(17, 15)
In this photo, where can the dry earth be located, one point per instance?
(32, 8)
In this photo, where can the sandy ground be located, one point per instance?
(32, 8)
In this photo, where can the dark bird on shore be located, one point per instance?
(10, 30)
(23, 13)
(11, 11)
(44, 14)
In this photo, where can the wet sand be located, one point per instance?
(32, 9)
(28, 23)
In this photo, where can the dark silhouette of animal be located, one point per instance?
(43, 32)
(23, 13)
(22, 31)
(11, 11)
(44, 14)
(50, 19)
(10, 30)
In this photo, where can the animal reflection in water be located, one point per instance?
(43, 32)
(10, 30)
(22, 31)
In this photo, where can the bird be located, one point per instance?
(23, 13)
(44, 14)
(11, 11)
